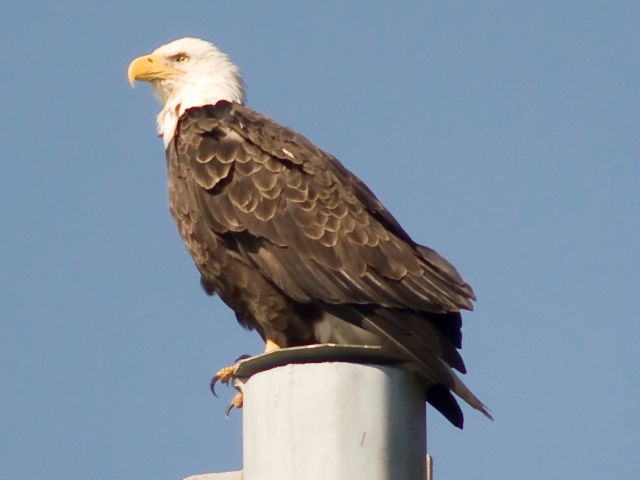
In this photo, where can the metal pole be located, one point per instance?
(330, 413)
(334, 421)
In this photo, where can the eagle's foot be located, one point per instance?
(236, 402)
(224, 376)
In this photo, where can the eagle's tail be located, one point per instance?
(461, 390)
(429, 354)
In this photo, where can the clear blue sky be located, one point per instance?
(503, 134)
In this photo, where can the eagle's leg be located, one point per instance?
(226, 374)
(270, 346)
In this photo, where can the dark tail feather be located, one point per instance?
(440, 398)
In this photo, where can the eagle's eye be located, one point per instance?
(180, 58)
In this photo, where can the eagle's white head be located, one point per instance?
(186, 73)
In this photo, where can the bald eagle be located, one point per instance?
(299, 248)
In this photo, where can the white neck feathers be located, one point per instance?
(206, 78)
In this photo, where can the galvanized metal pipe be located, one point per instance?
(330, 412)
(333, 421)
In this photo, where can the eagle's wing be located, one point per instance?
(323, 225)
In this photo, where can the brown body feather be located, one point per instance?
(297, 246)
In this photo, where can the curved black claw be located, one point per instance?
(242, 357)
(227, 410)
(212, 385)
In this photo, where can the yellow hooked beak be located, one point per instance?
(148, 68)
